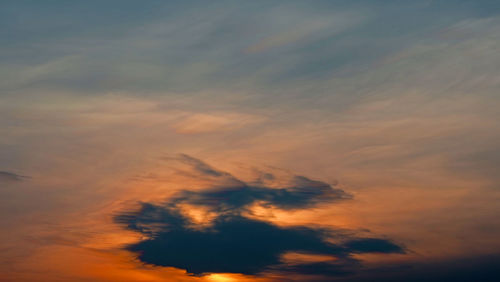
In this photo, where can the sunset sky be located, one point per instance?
(231, 140)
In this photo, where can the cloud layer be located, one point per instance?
(236, 243)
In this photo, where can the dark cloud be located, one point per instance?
(302, 192)
(6, 176)
(372, 245)
(238, 198)
(324, 269)
(236, 244)
(233, 243)
(471, 269)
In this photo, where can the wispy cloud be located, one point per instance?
(6, 176)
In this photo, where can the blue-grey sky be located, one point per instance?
(158, 46)
(104, 104)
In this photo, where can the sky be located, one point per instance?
(249, 140)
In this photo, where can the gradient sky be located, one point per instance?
(249, 140)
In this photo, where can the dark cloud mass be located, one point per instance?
(302, 193)
(307, 194)
(471, 269)
(234, 243)
(237, 244)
